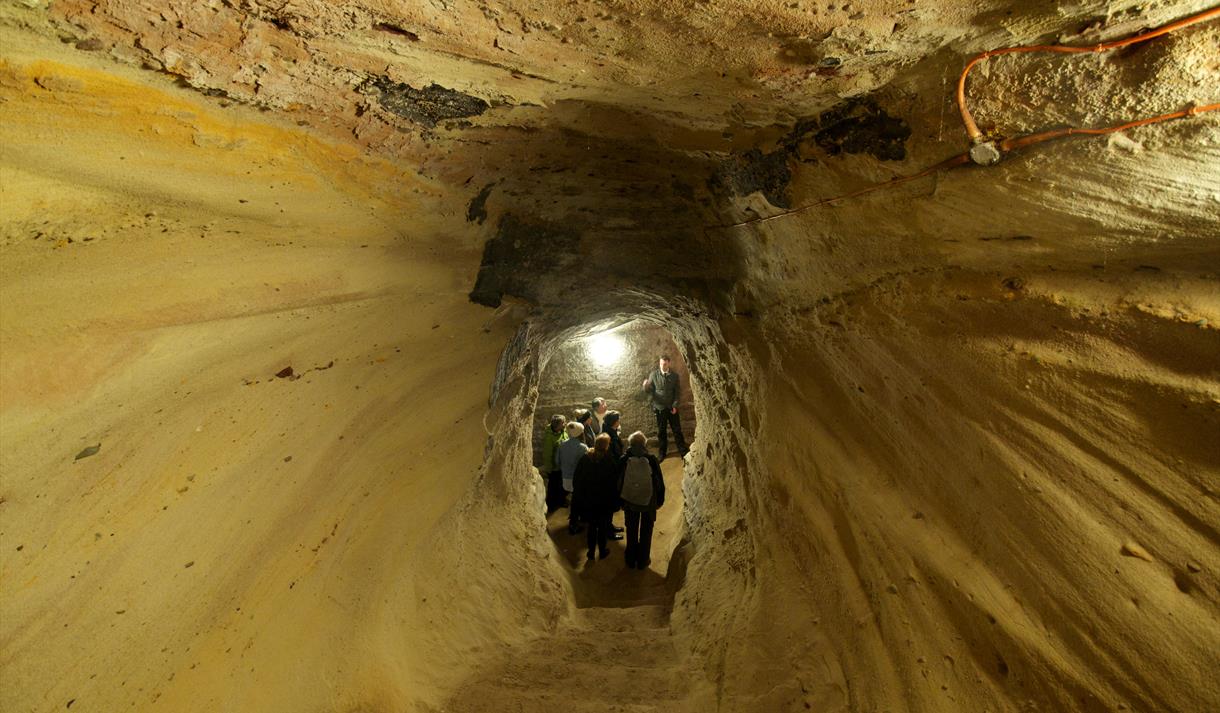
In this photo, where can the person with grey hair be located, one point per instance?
(641, 488)
(585, 418)
(570, 453)
(598, 411)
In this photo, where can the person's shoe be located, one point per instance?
(614, 536)
(605, 553)
(643, 565)
(616, 528)
(630, 564)
(589, 555)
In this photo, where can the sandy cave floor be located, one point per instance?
(617, 651)
(608, 583)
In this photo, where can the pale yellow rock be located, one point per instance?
(899, 449)
(1133, 549)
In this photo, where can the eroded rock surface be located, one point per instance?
(280, 282)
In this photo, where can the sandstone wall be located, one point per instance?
(572, 378)
(965, 456)
(182, 528)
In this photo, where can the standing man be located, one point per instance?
(664, 387)
(642, 491)
(598, 410)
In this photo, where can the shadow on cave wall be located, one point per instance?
(592, 202)
(585, 199)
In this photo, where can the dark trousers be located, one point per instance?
(599, 530)
(674, 421)
(556, 496)
(639, 537)
(573, 518)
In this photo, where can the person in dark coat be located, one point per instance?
(587, 419)
(610, 427)
(595, 494)
(664, 389)
(640, 499)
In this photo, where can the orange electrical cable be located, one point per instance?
(1018, 142)
(1007, 145)
(972, 128)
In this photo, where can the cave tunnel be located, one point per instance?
(609, 361)
(287, 289)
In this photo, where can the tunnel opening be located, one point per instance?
(611, 363)
(628, 632)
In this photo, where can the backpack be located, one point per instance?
(637, 481)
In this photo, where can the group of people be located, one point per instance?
(589, 470)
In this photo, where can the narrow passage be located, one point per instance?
(617, 653)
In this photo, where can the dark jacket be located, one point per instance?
(589, 435)
(658, 481)
(595, 487)
(616, 443)
(665, 389)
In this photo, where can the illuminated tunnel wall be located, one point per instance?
(611, 364)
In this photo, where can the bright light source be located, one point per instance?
(605, 349)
